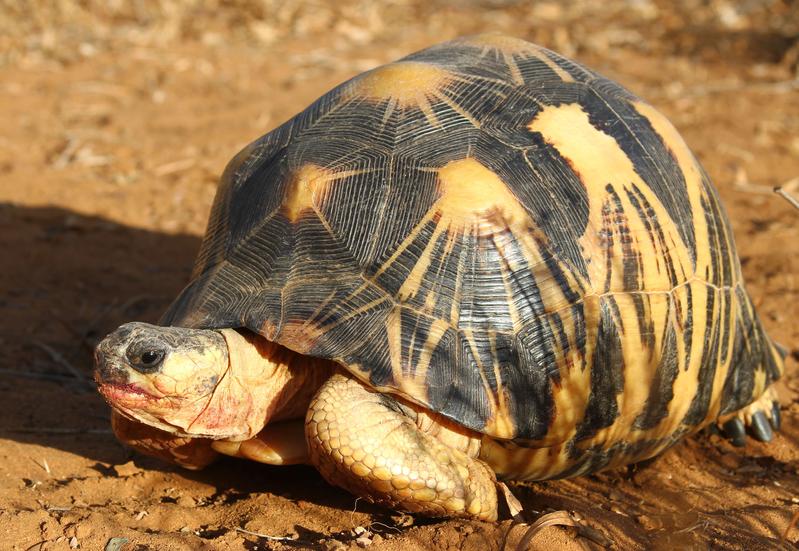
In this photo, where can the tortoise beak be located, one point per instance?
(105, 371)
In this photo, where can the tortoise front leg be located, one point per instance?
(190, 453)
(362, 441)
(281, 443)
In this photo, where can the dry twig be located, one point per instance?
(791, 524)
(60, 360)
(557, 518)
(788, 197)
(57, 377)
(266, 536)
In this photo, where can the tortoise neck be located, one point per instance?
(283, 381)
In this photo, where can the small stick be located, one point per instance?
(34, 375)
(788, 197)
(514, 505)
(791, 524)
(397, 530)
(558, 518)
(265, 536)
(59, 359)
(115, 544)
(174, 167)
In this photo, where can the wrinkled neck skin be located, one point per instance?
(264, 382)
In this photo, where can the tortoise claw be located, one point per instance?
(776, 419)
(760, 427)
(734, 430)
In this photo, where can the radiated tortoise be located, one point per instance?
(483, 260)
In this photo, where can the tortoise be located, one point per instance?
(481, 262)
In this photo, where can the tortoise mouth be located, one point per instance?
(125, 394)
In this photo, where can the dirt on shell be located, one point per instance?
(117, 121)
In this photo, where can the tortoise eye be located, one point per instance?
(152, 358)
(147, 358)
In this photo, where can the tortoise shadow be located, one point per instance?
(71, 279)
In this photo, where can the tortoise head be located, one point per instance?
(184, 381)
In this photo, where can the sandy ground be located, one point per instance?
(116, 122)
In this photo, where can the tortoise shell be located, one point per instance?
(496, 233)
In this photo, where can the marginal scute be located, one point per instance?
(407, 83)
(501, 424)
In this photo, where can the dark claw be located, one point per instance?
(776, 419)
(734, 430)
(760, 427)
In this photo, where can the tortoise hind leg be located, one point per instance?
(760, 419)
(364, 442)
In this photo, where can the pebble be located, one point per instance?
(126, 469)
(334, 545)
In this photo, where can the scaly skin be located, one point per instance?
(362, 441)
(189, 453)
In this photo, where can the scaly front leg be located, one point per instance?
(190, 453)
(368, 444)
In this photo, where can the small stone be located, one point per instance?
(126, 469)
(73, 543)
(115, 544)
(334, 545)
(364, 541)
(648, 522)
